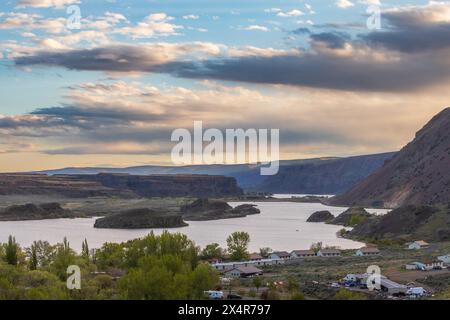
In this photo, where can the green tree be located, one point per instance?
(265, 252)
(257, 282)
(42, 286)
(156, 278)
(203, 278)
(33, 257)
(12, 251)
(212, 251)
(85, 250)
(237, 244)
(64, 257)
(316, 247)
(110, 255)
(40, 254)
(165, 244)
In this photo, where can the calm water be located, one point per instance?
(290, 195)
(280, 226)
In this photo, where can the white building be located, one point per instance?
(392, 287)
(302, 254)
(329, 253)
(243, 272)
(445, 259)
(417, 245)
(367, 251)
(259, 263)
(280, 255)
(412, 266)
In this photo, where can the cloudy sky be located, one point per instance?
(110, 89)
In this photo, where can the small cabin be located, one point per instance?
(367, 251)
(302, 254)
(417, 245)
(329, 253)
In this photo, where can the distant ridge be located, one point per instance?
(419, 174)
(119, 185)
(325, 175)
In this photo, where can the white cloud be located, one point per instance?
(291, 13)
(432, 13)
(344, 4)
(272, 10)
(309, 8)
(256, 27)
(157, 24)
(191, 17)
(370, 2)
(45, 3)
(16, 20)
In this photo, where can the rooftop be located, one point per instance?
(255, 256)
(369, 249)
(330, 251)
(248, 269)
(422, 243)
(281, 253)
(301, 252)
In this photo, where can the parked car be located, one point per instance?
(234, 297)
(214, 295)
(416, 292)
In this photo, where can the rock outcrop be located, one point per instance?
(32, 211)
(320, 216)
(206, 209)
(351, 217)
(141, 219)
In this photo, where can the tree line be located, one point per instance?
(166, 266)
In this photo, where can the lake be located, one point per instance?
(280, 226)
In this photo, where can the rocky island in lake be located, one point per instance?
(32, 211)
(206, 209)
(320, 216)
(351, 217)
(141, 219)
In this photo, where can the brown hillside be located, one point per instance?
(419, 174)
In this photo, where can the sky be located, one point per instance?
(109, 88)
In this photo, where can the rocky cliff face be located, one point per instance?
(328, 176)
(119, 185)
(316, 176)
(419, 174)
